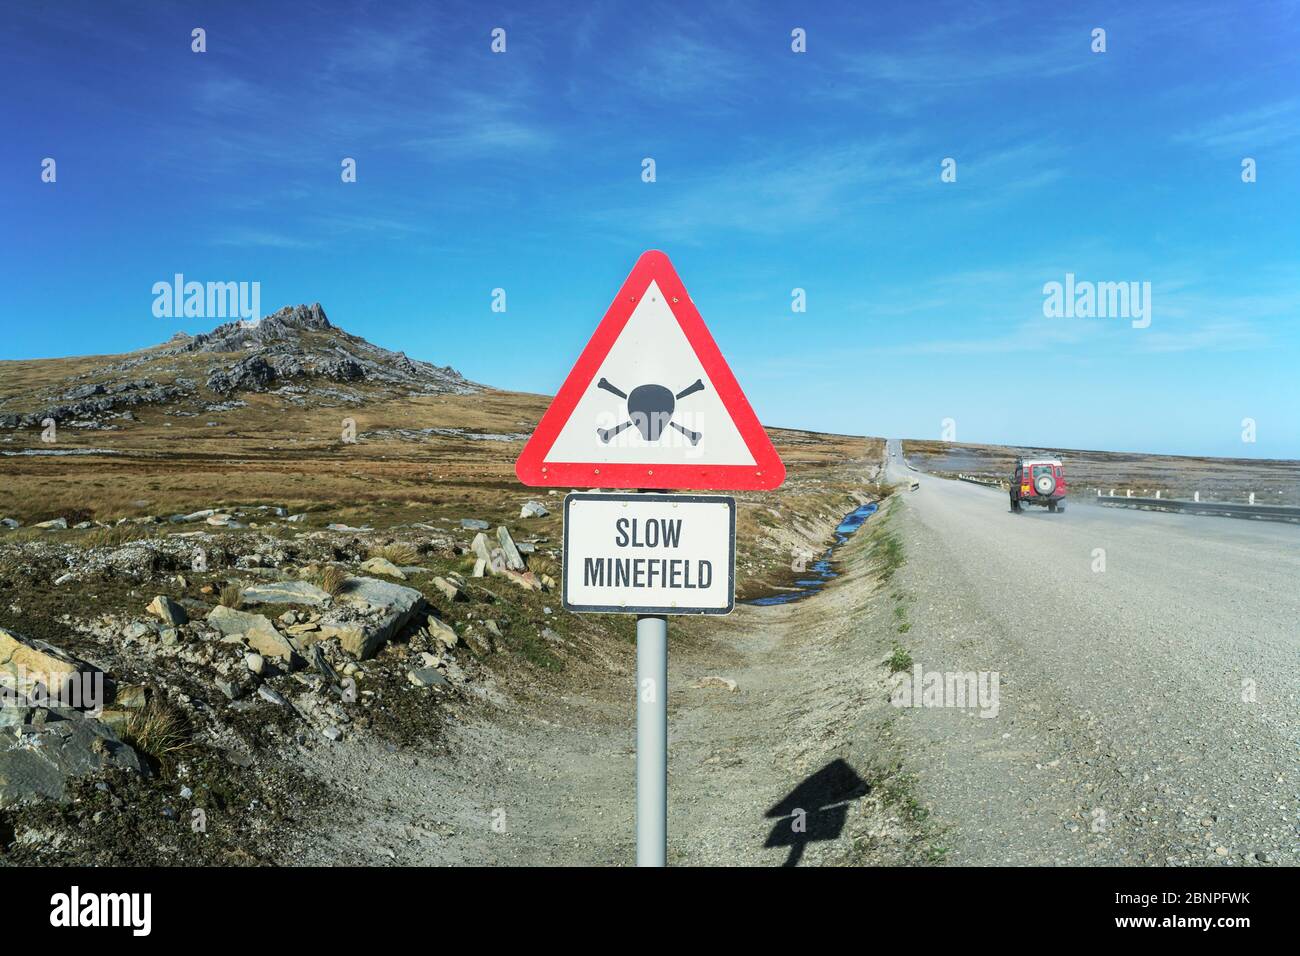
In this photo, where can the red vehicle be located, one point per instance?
(1038, 481)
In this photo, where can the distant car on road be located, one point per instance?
(1038, 481)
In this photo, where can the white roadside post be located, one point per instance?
(652, 740)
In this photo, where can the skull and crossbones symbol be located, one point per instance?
(650, 408)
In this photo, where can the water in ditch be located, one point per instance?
(820, 572)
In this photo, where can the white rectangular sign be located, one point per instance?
(650, 553)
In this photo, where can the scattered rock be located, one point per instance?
(449, 590)
(139, 630)
(255, 662)
(427, 677)
(12, 523)
(442, 632)
(253, 629)
(59, 523)
(726, 683)
(480, 568)
(285, 592)
(474, 524)
(482, 550)
(275, 697)
(232, 689)
(168, 610)
(527, 580)
(383, 566)
(514, 560)
(130, 696)
(533, 509)
(480, 644)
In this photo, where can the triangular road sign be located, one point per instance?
(651, 403)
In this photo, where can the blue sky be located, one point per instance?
(775, 170)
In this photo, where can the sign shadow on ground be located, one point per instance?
(816, 810)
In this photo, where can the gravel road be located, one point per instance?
(1148, 712)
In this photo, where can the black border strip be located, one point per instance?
(648, 496)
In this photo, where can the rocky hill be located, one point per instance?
(295, 352)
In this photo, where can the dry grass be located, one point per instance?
(540, 564)
(331, 579)
(158, 730)
(116, 536)
(232, 596)
(400, 553)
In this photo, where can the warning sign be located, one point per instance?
(649, 553)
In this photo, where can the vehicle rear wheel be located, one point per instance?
(1060, 506)
(1051, 506)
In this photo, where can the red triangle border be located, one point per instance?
(767, 472)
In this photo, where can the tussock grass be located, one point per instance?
(158, 731)
(399, 552)
(540, 564)
(331, 579)
(899, 660)
(232, 596)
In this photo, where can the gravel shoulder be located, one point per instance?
(537, 782)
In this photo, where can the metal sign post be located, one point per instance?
(616, 423)
(651, 740)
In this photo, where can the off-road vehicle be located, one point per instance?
(1038, 481)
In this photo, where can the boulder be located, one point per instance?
(474, 524)
(58, 523)
(39, 756)
(442, 632)
(449, 590)
(514, 560)
(533, 509)
(482, 550)
(26, 663)
(168, 610)
(367, 613)
(253, 629)
(285, 592)
(426, 677)
(383, 566)
(130, 696)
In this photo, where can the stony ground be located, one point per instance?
(297, 688)
(772, 710)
